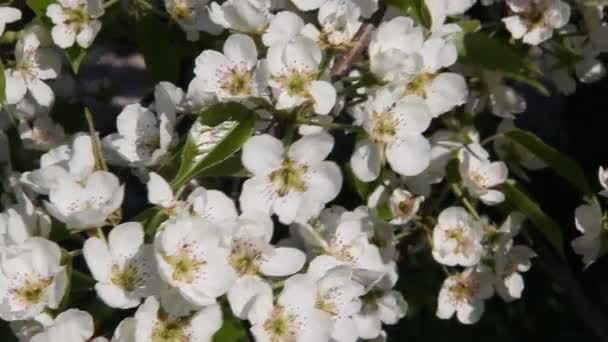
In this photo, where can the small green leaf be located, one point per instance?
(2, 84)
(76, 56)
(231, 167)
(416, 9)
(218, 134)
(231, 330)
(482, 51)
(522, 202)
(561, 164)
(39, 6)
(159, 52)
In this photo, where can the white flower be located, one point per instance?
(31, 278)
(294, 184)
(235, 75)
(22, 221)
(590, 222)
(534, 20)
(190, 258)
(295, 78)
(464, 294)
(8, 15)
(339, 20)
(480, 176)
(602, 175)
(69, 326)
(35, 63)
(88, 204)
(338, 295)
(192, 16)
(75, 21)
(75, 162)
(141, 139)
(457, 238)
(508, 264)
(246, 16)
(379, 306)
(504, 101)
(41, 134)
(367, 7)
(153, 323)
(283, 27)
(293, 317)
(212, 206)
(123, 266)
(125, 331)
(252, 257)
(394, 49)
(394, 129)
(404, 206)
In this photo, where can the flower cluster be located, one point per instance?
(311, 152)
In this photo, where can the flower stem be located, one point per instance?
(465, 201)
(109, 3)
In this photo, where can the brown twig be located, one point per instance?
(361, 40)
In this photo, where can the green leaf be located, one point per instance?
(231, 330)
(231, 167)
(561, 164)
(416, 9)
(219, 133)
(39, 6)
(159, 52)
(76, 56)
(480, 50)
(517, 198)
(2, 84)
(363, 189)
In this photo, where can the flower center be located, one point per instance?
(245, 258)
(463, 289)
(181, 11)
(290, 176)
(384, 127)
(478, 178)
(417, 86)
(170, 330)
(457, 234)
(325, 303)
(32, 292)
(126, 278)
(76, 17)
(280, 326)
(238, 83)
(296, 83)
(185, 265)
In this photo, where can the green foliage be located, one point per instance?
(218, 133)
(231, 330)
(517, 197)
(75, 56)
(159, 52)
(416, 9)
(561, 164)
(39, 6)
(479, 50)
(2, 84)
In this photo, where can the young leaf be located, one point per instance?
(76, 56)
(562, 165)
(545, 224)
(488, 53)
(231, 330)
(159, 52)
(219, 133)
(416, 9)
(39, 6)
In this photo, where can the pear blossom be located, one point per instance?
(41, 134)
(191, 259)
(589, 220)
(22, 221)
(504, 101)
(394, 127)
(464, 294)
(31, 279)
(212, 206)
(36, 62)
(75, 21)
(293, 316)
(457, 238)
(404, 206)
(295, 77)
(253, 257)
(284, 27)
(295, 183)
(367, 7)
(88, 204)
(534, 21)
(153, 323)
(125, 331)
(508, 266)
(339, 20)
(480, 176)
(602, 174)
(235, 75)
(379, 307)
(123, 266)
(8, 15)
(192, 16)
(70, 326)
(246, 16)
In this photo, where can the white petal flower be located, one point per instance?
(379, 307)
(192, 16)
(8, 15)
(123, 266)
(294, 185)
(235, 75)
(339, 20)
(404, 206)
(589, 220)
(42, 134)
(31, 278)
(70, 326)
(535, 20)
(464, 294)
(75, 21)
(190, 258)
(508, 264)
(88, 204)
(22, 221)
(480, 176)
(284, 26)
(457, 238)
(246, 16)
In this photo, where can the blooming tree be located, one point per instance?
(294, 157)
